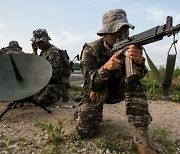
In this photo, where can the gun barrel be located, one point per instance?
(176, 28)
(149, 36)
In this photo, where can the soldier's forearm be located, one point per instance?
(99, 78)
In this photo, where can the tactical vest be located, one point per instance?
(97, 51)
(116, 83)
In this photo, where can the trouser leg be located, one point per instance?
(137, 105)
(48, 97)
(88, 117)
(139, 116)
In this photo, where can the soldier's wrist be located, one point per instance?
(140, 64)
(103, 71)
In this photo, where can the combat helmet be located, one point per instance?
(14, 44)
(40, 35)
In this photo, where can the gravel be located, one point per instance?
(20, 133)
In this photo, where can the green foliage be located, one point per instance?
(161, 137)
(123, 135)
(175, 92)
(154, 91)
(160, 134)
(107, 145)
(177, 72)
(75, 88)
(110, 143)
(119, 143)
(75, 136)
(76, 92)
(55, 133)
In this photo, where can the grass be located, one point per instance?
(56, 134)
(160, 137)
(154, 91)
(76, 92)
(121, 142)
(107, 142)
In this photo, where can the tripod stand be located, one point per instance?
(12, 105)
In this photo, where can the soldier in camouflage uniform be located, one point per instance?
(12, 48)
(106, 82)
(58, 85)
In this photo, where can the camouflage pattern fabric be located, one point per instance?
(47, 96)
(14, 44)
(113, 21)
(59, 80)
(59, 59)
(59, 62)
(40, 35)
(108, 87)
(8, 50)
(50, 94)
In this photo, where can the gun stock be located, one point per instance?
(149, 36)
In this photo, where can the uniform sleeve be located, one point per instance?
(95, 76)
(141, 69)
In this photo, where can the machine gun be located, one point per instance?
(149, 36)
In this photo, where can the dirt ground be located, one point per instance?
(22, 121)
(165, 115)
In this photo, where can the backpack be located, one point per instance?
(66, 62)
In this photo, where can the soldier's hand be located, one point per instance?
(97, 97)
(113, 63)
(34, 47)
(135, 53)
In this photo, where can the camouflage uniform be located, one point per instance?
(12, 48)
(109, 86)
(59, 81)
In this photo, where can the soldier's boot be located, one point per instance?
(141, 141)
